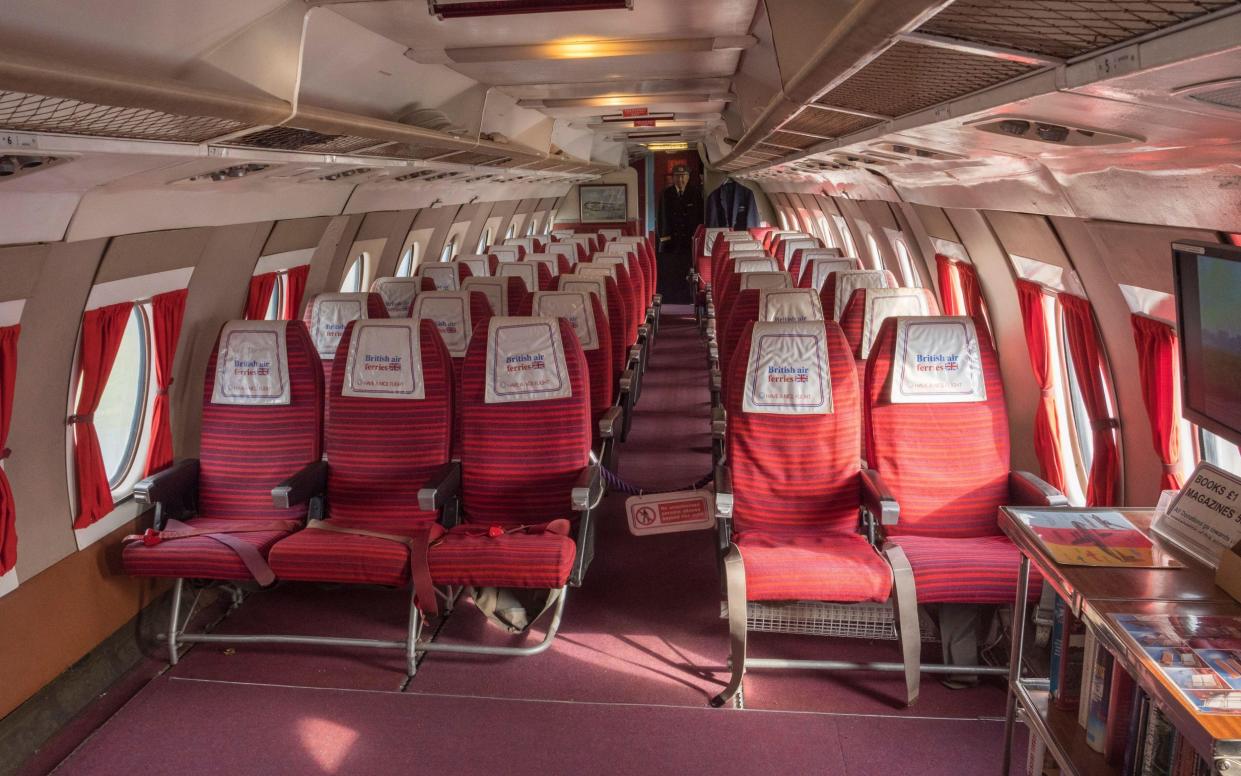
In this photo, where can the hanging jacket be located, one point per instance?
(732, 206)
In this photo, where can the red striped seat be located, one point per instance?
(947, 464)
(796, 483)
(841, 285)
(520, 460)
(613, 314)
(457, 335)
(246, 450)
(380, 452)
(598, 357)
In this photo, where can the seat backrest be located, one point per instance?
(610, 234)
(390, 424)
(790, 246)
(397, 294)
(526, 244)
(445, 274)
(533, 275)
(803, 255)
(793, 430)
(868, 308)
(566, 256)
(496, 290)
(936, 425)
(526, 421)
(550, 262)
(604, 287)
(584, 312)
(456, 314)
(480, 265)
(755, 264)
(841, 285)
(504, 253)
(815, 271)
(262, 416)
(327, 315)
(615, 269)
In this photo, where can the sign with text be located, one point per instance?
(1205, 517)
(682, 510)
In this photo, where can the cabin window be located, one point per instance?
(843, 226)
(547, 227)
(825, 229)
(1219, 451)
(119, 418)
(530, 228)
(484, 240)
(275, 305)
(405, 267)
(512, 230)
(450, 249)
(876, 258)
(909, 275)
(1076, 437)
(355, 277)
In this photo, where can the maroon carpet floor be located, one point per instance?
(623, 689)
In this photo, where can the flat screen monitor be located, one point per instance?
(1208, 307)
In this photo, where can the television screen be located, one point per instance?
(1208, 300)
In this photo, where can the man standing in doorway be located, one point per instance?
(680, 213)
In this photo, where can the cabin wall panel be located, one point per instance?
(916, 242)
(217, 294)
(296, 234)
(477, 224)
(1021, 393)
(439, 220)
(327, 267)
(19, 270)
(134, 255)
(1028, 235)
(388, 260)
(377, 225)
(571, 208)
(502, 212)
(1141, 255)
(878, 216)
(51, 319)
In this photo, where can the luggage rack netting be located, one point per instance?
(39, 113)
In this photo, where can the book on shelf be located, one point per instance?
(1068, 643)
(1038, 761)
(1138, 716)
(1119, 713)
(1090, 652)
(1097, 698)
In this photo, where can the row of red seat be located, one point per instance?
(862, 461)
(453, 449)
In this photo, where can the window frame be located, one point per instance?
(121, 483)
(905, 260)
(449, 251)
(408, 261)
(876, 255)
(359, 262)
(484, 241)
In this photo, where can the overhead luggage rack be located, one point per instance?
(24, 112)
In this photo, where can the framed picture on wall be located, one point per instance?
(603, 203)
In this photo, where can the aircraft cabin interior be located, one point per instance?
(478, 387)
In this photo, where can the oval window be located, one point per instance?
(118, 420)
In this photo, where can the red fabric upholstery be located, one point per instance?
(741, 314)
(598, 361)
(380, 453)
(167, 311)
(837, 567)
(8, 514)
(520, 461)
(854, 316)
(245, 452)
(102, 331)
(981, 570)
(480, 315)
(828, 295)
(946, 464)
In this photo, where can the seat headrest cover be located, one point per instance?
(885, 303)
(792, 246)
(819, 269)
(529, 273)
(789, 305)
(573, 306)
(252, 364)
(442, 273)
(397, 294)
(766, 264)
(937, 361)
(586, 284)
(610, 234)
(544, 258)
(478, 264)
(568, 250)
(329, 315)
(597, 269)
(744, 245)
(709, 237)
(525, 361)
(765, 280)
(747, 254)
(851, 280)
(495, 289)
(451, 312)
(504, 252)
(821, 253)
(787, 372)
(629, 240)
(562, 234)
(385, 361)
(524, 242)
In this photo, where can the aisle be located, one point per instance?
(623, 689)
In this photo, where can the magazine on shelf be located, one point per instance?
(1199, 655)
(1094, 538)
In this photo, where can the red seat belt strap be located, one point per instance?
(247, 553)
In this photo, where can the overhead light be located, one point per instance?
(620, 118)
(464, 9)
(624, 100)
(227, 173)
(682, 146)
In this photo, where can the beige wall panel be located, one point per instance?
(1028, 235)
(377, 225)
(1139, 255)
(296, 235)
(935, 223)
(132, 255)
(917, 243)
(477, 223)
(328, 264)
(395, 244)
(19, 270)
(50, 323)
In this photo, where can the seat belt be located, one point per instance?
(417, 545)
(249, 554)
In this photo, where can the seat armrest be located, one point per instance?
(877, 499)
(588, 489)
(311, 481)
(626, 381)
(724, 506)
(644, 331)
(719, 422)
(1028, 490)
(177, 482)
(713, 351)
(444, 486)
(657, 299)
(635, 354)
(609, 423)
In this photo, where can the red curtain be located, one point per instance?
(1159, 372)
(971, 292)
(167, 311)
(259, 299)
(8, 513)
(1046, 420)
(1083, 336)
(947, 283)
(295, 286)
(102, 330)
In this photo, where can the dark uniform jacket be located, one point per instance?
(679, 216)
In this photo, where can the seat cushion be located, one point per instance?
(467, 555)
(328, 556)
(981, 570)
(824, 567)
(197, 557)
